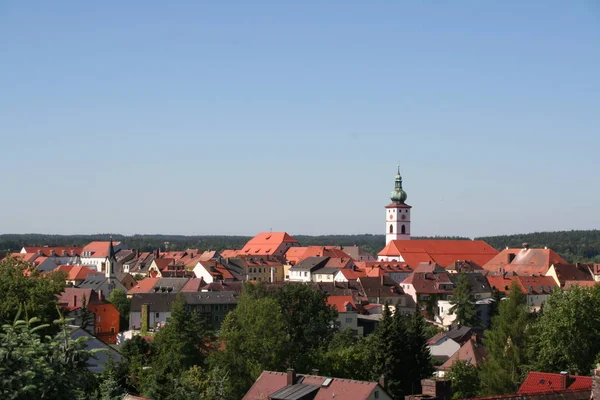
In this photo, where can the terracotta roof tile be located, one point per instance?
(443, 252)
(524, 261)
(539, 382)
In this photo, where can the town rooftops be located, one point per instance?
(342, 303)
(530, 285)
(383, 286)
(76, 272)
(471, 352)
(430, 283)
(53, 251)
(572, 272)
(162, 302)
(524, 261)
(310, 264)
(540, 382)
(443, 252)
(460, 335)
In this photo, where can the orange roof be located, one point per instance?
(532, 285)
(76, 272)
(25, 257)
(266, 243)
(39, 260)
(524, 261)
(229, 253)
(294, 254)
(443, 252)
(99, 249)
(340, 303)
(353, 274)
(143, 286)
(569, 284)
(540, 382)
(58, 251)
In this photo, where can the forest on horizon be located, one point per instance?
(574, 246)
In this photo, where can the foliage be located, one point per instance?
(308, 323)
(431, 306)
(430, 330)
(86, 317)
(506, 343)
(565, 334)
(420, 357)
(42, 367)
(349, 356)
(254, 339)
(463, 302)
(119, 299)
(464, 378)
(24, 288)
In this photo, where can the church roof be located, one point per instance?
(524, 261)
(443, 252)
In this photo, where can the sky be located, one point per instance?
(235, 117)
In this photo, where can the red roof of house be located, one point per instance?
(353, 274)
(532, 285)
(163, 263)
(144, 286)
(266, 243)
(443, 252)
(193, 285)
(572, 272)
(229, 253)
(524, 261)
(58, 251)
(471, 351)
(539, 382)
(340, 303)
(589, 284)
(294, 254)
(430, 282)
(76, 272)
(269, 382)
(99, 249)
(72, 298)
(25, 257)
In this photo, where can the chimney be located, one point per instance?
(64, 253)
(291, 376)
(526, 246)
(382, 381)
(564, 379)
(315, 372)
(100, 295)
(382, 276)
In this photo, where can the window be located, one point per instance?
(403, 229)
(99, 318)
(391, 228)
(98, 330)
(305, 273)
(156, 315)
(348, 320)
(112, 330)
(376, 394)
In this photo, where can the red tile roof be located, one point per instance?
(572, 272)
(269, 382)
(58, 251)
(524, 261)
(443, 252)
(529, 284)
(589, 284)
(471, 351)
(72, 298)
(25, 257)
(430, 283)
(229, 253)
(144, 286)
(353, 274)
(340, 303)
(539, 382)
(76, 272)
(194, 285)
(99, 249)
(266, 243)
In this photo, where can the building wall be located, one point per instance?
(201, 272)
(444, 316)
(154, 319)
(349, 320)
(535, 301)
(299, 276)
(322, 277)
(94, 262)
(106, 322)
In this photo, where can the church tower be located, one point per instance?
(397, 214)
(111, 265)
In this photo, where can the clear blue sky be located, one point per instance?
(220, 117)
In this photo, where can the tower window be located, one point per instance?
(391, 228)
(403, 229)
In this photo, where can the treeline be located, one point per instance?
(574, 246)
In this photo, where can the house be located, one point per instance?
(524, 261)
(268, 244)
(104, 283)
(442, 252)
(95, 254)
(358, 253)
(561, 273)
(382, 290)
(472, 352)
(398, 271)
(541, 382)
(427, 288)
(535, 288)
(261, 269)
(347, 313)
(286, 386)
(75, 273)
(302, 271)
(349, 274)
(443, 345)
(59, 254)
(213, 271)
(98, 363)
(105, 325)
(156, 307)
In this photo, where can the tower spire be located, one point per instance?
(398, 195)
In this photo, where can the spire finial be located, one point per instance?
(398, 169)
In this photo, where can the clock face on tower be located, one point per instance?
(391, 216)
(403, 216)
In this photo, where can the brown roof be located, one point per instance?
(430, 282)
(540, 382)
(529, 284)
(471, 351)
(524, 261)
(380, 286)
(572, 272)
(144, 286)
(443, 252)
(270, 382)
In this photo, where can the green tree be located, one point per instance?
(308, 323)
(35, 367)
(118, 298)
(86, 317)
(349, 356)
(565, 334)
(253, 339)
(24, 288)
(420, 365)
(184, 341)
(506, 343)
(463, 302)
(465, 380)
